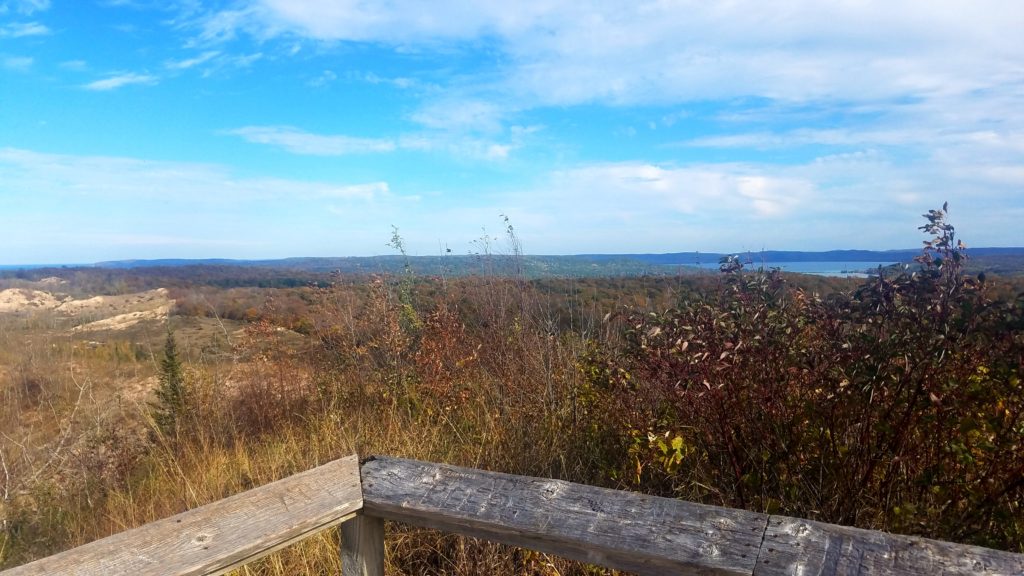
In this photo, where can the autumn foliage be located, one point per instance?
(893, 403)
(898, 406)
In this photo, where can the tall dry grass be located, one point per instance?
(739, 390)
(472, 372)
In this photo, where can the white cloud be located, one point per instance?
(86, 208)
(222, 26)
(122, 179)
(23, 29)
(76, 65)
(326, 77)
(634, 188)
(370, 191)
(569, 52)
(137, 4)
(845, 200)
(952, 64)
(15, 63)
(866, 199)
(645, 207)
(191, 62)
(397, 82)
(245, 60)
(121, 80)
(463, 115)
(458, 146)
(155, 240)
(860, 136)
(299, 142)
(24, 7)
(399, 22)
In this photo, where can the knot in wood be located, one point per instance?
(723, 523)
(708, 549)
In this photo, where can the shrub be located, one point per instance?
(895, 407)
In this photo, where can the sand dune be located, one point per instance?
(123, 321)
(22, 300)
(98, 313)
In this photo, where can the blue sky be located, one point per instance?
(275, 128)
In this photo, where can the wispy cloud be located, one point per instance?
(845, 200)
(397, 82)
(121, 80)
(138, 4)
(456, 145)
(299, 142)
(191, 62)
(869, 199)
(658, 51)
(560, 53)
(461, 115)
(840, 110)
(76, 65)
(323, 79)
(23, 29)
(94, 208)
(245, 60)
(15, 63)
(369, 191)
(641, 187)
(1007, 139)
(24, 7)
(222, 25)
(860, 136)
(120, 178)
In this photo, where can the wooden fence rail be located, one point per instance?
(622, 530)
(215, 538)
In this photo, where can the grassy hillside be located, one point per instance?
(893, 403)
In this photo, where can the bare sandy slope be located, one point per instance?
(106, 306)
(127, 320)
(96, 313)
(24, 300)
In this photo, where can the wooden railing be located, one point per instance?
(621, 530)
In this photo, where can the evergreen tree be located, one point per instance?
(170, 394)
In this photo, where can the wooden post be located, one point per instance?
(362, 546)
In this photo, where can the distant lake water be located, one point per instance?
(836, 268)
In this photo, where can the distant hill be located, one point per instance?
(770, 256)
(1006, 260)
(454, 265)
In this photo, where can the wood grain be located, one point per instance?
(622, 530)
(794, 546)
(362, 547)
(215, 538)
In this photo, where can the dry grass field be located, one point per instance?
(889, 403)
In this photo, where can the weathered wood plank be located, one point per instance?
(215, 538)
(622, 530)
(794, 546)
(362, 546)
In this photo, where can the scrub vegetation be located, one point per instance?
(894, 402)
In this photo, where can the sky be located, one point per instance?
(277, 128)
